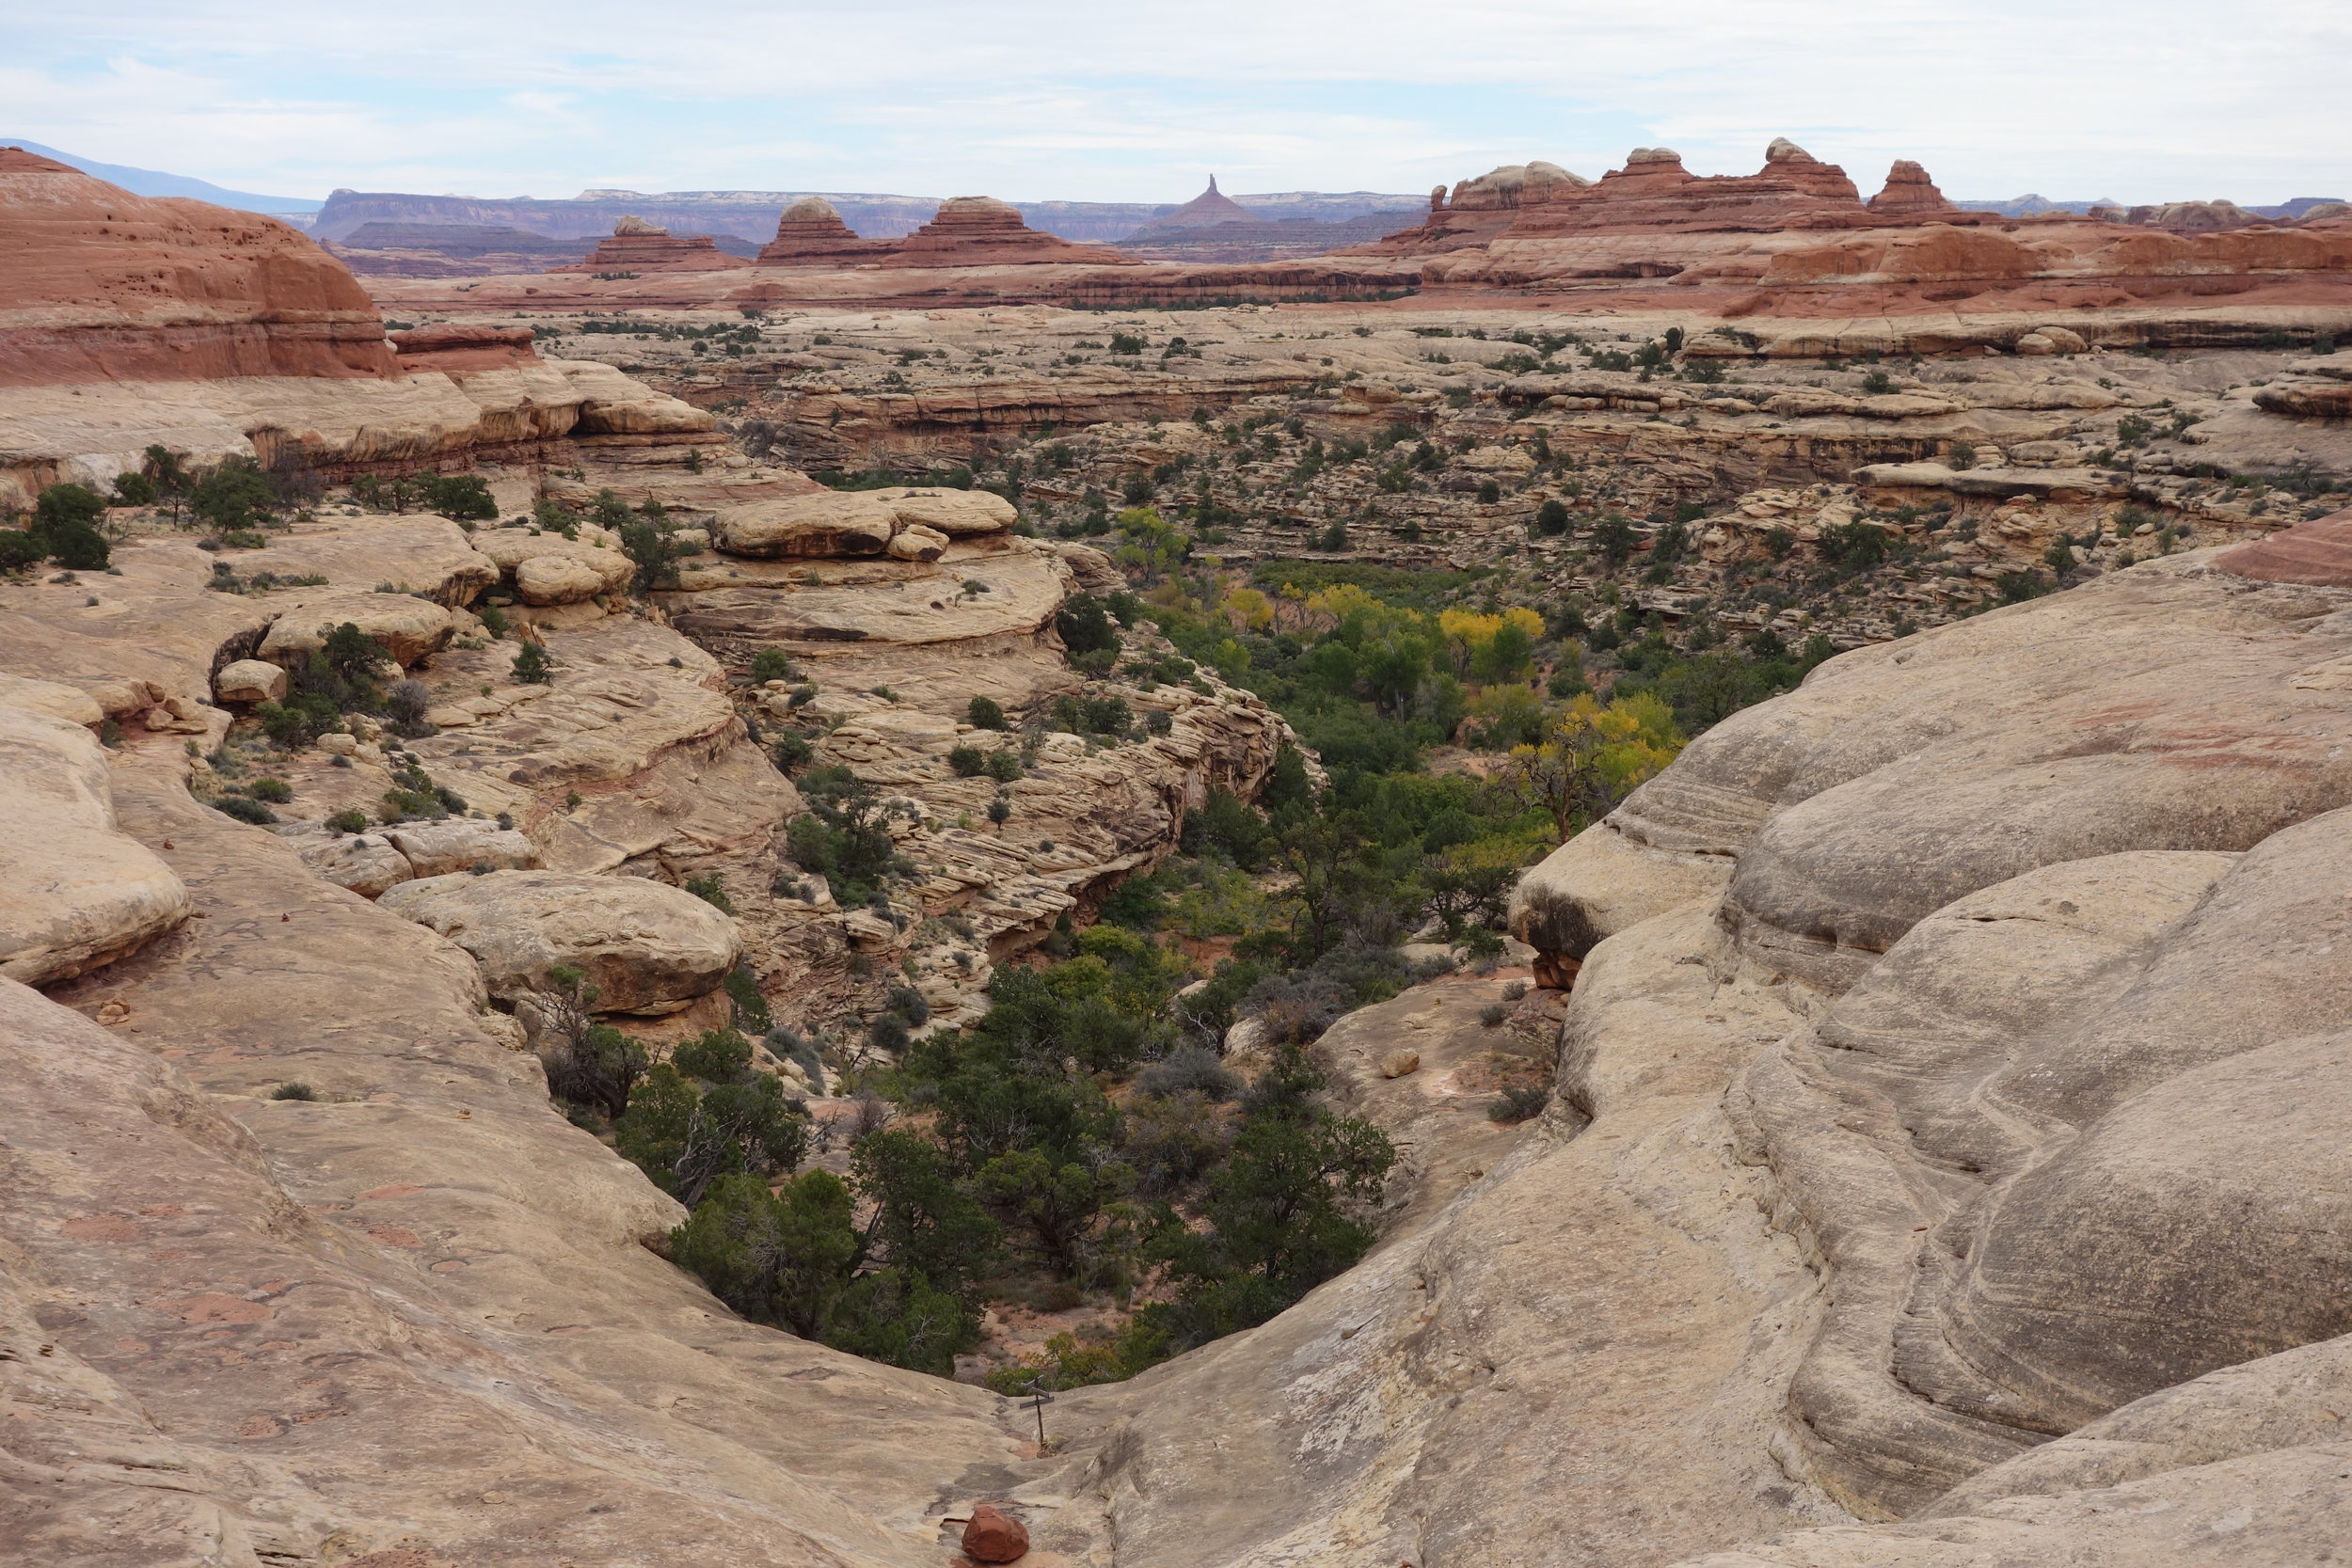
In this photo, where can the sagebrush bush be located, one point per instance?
(1189, 1069)
(245, 809)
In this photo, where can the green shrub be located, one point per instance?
(771, 664)
(245, 809)
(18, 550)
(294, 1091)
(984, 714)
(1552, 519)
(967, 762)
(463, 497)
(1084, 625)
(1004, 764)
(1854, 545)
(65, 524)
(349, 820)
(711, 891)
(237, 496)
(275, 791)
(532, 666)
(301, 720)
(792, 752)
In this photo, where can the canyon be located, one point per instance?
(1944, 1160)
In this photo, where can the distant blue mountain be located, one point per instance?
(148, 182)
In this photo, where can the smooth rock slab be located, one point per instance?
(440, 848)
(645, 946)
(75, 891)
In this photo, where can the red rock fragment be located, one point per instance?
(994, 1536)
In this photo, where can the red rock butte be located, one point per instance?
(636, 245)
(980, 230)
(97, 284)
(811, 235)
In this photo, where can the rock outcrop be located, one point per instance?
(645, 947)
(980, 230)
(76, 893)
(97, 284)
(636, 245)
(1909, 194)
(811, 233)
(218, 333)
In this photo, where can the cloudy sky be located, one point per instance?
(2142, 100)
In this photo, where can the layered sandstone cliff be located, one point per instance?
(127, 322)
(97, 284)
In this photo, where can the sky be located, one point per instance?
(1031, 100)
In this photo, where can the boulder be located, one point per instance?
(511, 548)
(1399, 1064)
(75, 891)
(831, 524)
(954, 513)
(251, 680)
(367, 864)
(647, 947)
(917, 542)
(991, 1535)
(460, 844)
(553, 580)
(407, 626)
(857, 522)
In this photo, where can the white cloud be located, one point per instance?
(2156, 97)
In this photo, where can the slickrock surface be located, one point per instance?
(256, 1297)
(2024, 1136)
(76, 893)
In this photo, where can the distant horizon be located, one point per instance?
(298, 203)
(2146, 103)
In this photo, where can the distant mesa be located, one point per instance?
(638, 246)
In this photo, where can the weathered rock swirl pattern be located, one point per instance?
(1952, 1131)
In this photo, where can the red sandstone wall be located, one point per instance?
(97, 284)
